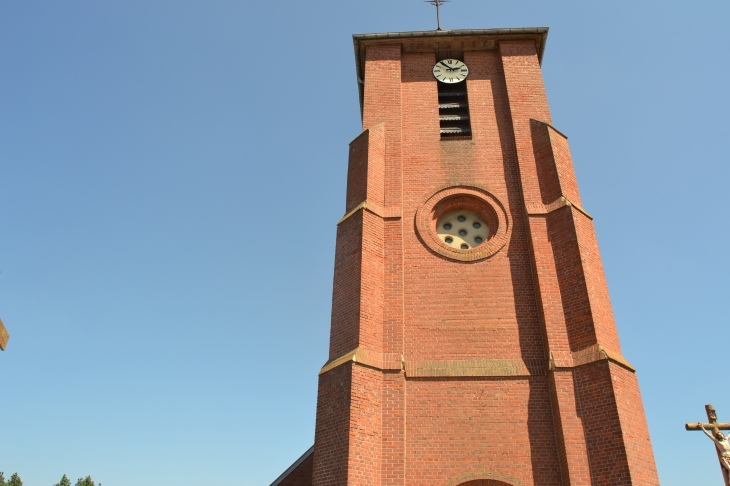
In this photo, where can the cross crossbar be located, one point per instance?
(716, 425)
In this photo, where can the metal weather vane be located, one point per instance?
(437, 4)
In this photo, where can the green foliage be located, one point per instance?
(87, 481)
(15, 480)
(64, 482)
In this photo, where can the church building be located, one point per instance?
(472, 337)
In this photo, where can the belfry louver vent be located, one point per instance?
(454, 112)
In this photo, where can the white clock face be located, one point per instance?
(450, 71)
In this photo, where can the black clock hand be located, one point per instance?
(447, 67)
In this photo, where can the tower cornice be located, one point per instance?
(435, 40)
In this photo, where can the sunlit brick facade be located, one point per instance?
(497, 364)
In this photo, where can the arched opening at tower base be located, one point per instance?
(485, 482)
(485, 479)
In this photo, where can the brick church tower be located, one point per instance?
(472, 340)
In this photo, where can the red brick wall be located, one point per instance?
(382, 104)
(470, 426)
(454, 310)
(366, 168)
(541, 298)
(363, 283)
(595, 281)
(332, 432)
(371, 308)
(575, 468)
(602, 426)
(564, 166)
(345, 332)
(527, 101)
(571, 278)
(364, 463)
(633, 426)
(302, 475)
(357, 171)
(393, 431)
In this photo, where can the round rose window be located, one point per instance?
(462, 229)
(463, 223)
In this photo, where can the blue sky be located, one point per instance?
(172, 172)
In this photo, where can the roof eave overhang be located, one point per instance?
(361, 41)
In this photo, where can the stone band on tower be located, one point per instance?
(472, 340)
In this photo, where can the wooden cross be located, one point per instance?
(4, 336)
(716, 427)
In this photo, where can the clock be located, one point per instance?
(450, 71)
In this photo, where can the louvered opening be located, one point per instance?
(454, 112)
